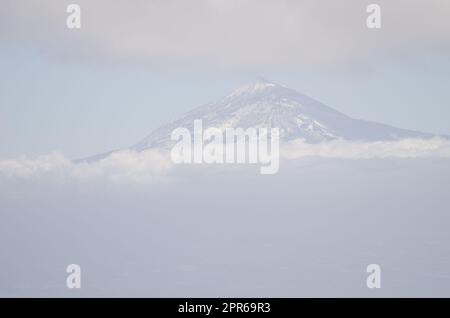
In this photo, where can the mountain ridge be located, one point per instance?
(267, 104)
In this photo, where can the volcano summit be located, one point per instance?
(269, 105)
(264, 104)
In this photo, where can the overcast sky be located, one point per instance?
(137, 64)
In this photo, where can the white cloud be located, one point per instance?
(229, 33)
(25, 167)
(405, 148)
(121, 166)
(155, 166)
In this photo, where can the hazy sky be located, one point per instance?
(137, 64)
(139, 225)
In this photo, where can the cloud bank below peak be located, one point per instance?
(153, 165)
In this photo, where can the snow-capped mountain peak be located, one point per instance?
(258, 86)
(266, 104)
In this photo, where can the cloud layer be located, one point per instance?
(405, 148)
(229, 33)
(120, 166)
(154, 165)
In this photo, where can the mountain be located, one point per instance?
(266, 104)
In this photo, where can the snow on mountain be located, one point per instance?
(266, 104)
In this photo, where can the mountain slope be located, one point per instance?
(266, 104)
